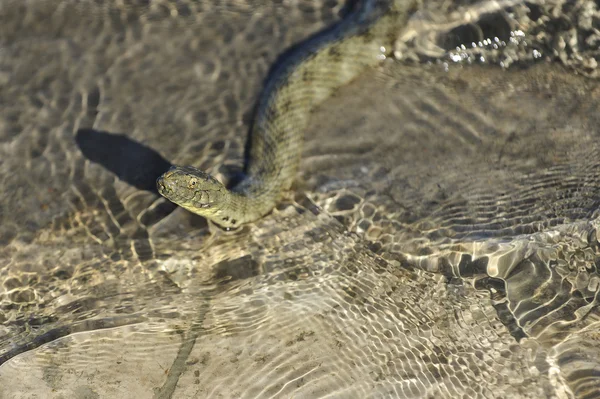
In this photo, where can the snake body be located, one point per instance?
(305, 77)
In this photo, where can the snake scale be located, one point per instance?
(307, 75)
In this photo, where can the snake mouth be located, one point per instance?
(160, 186)
(166, 188)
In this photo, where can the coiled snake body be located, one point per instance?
(308, 75)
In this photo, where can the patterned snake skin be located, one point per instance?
(454, 249)
(304, 78)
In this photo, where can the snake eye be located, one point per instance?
(192, 183)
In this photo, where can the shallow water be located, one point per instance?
(440, 240)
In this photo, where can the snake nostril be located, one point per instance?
(170, 185)
(162, 186)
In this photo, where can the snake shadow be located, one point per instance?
(132, 162)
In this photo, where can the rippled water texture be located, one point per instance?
(441, 239)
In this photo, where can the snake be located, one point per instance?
(308, 74)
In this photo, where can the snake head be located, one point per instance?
(192, 189)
